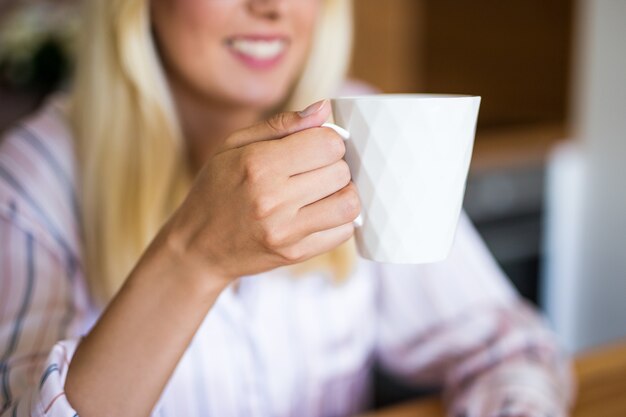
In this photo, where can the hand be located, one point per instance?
(275, 194)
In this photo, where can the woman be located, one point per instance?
(149, 244)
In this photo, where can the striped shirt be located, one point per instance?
(277, 346)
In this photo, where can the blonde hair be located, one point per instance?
(129, 144)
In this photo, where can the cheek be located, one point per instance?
(191, 14)
(189, 31)
(304, 20)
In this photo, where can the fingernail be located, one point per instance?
(312, 109)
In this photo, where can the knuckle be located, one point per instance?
(274, 238)
(351, 203)
(334, 143)
(253, 165)
(263, 206)
(278, 123)
(344, 174)
(292, 254)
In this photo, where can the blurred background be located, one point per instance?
(546, 188)
(516, 55)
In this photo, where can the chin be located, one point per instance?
(261, 98)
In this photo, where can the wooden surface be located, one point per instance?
(601, 382)
(515, 147)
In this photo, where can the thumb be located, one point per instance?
(280, 125)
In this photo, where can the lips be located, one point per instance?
(258, 51)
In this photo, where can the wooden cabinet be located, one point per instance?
(513, 53)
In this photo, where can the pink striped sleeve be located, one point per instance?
(459, 324)
(37, 310)
(44, 300)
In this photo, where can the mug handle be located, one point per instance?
(345, 135)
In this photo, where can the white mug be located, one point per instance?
(409, 156)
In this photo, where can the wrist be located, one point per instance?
(170, 257)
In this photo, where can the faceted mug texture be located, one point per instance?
(409, 156)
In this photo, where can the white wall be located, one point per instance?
(585, 273)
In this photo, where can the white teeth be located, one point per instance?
(259, 49)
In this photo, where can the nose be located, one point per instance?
(268, 9)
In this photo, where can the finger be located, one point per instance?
(306, 150)
(340, 208)
(280, 125)
(319, 242)
(298, 153)
(312, 186)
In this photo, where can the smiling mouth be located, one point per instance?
(258, 51)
